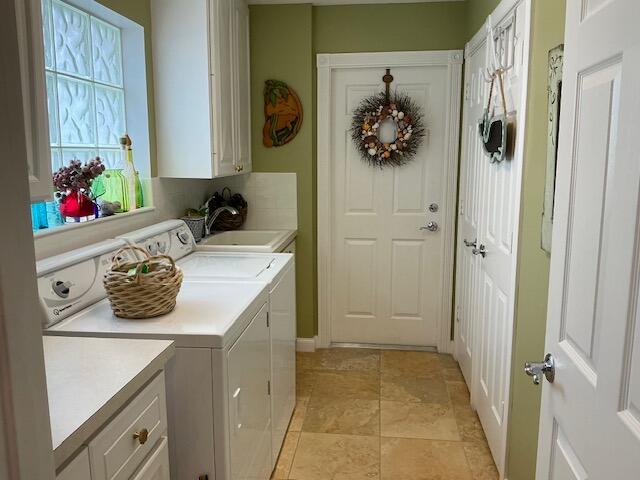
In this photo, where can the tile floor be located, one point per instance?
(386, 415)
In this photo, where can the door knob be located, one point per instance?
(431, 226)
(467, 243)
(479, 251)
(536, 370)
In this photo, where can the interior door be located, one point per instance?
(469, 207)
(590, 417)
(488, 222)
(387, 272)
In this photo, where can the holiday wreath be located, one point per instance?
(370, 116)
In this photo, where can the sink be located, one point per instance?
(247, 241)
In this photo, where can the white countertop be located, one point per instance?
(90, 379)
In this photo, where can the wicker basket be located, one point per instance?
(142, 289)
(226, 220)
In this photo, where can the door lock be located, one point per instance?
(536, 370)
(467, 243)
(434, 207)
(431, 226)
(481, 250)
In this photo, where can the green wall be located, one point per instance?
(281, 49)
(359, 28)
(477, 13)
(533, 263)
(140, 12)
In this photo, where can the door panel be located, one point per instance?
(467, 280)
(594, 285)
(488, 218)
(387, 285)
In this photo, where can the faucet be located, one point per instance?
(212, 217)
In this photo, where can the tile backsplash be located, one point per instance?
(272, 199)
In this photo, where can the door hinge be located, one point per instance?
(268, 387)
(268, 320)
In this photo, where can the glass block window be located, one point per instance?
(85, 88)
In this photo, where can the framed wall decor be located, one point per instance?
(556, 58)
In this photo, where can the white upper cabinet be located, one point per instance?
(34, 98)
(201, 79)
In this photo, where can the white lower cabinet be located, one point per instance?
(132, 445)
(156, 467)
(78, 469)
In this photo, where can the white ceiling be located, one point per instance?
(341, 2)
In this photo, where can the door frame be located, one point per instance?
(326, 64)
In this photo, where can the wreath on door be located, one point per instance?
(382, 111)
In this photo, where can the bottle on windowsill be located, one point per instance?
(134, 187)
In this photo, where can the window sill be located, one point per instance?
(74, 226)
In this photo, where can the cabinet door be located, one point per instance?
(249, 405)
(34, 98)
(282, 312)
(78, 468)
(242, 85)
(156, 466)
(222, 85)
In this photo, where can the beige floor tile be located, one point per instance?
(345, 416)
(347, 384)
(481, 462)
(469, 427)
(307, 360)
(447, 361)
(297, 419)
(410, 389)
(402, 362)
(323, 456)
(349, 359)
(459, 393)
(453, 374)
(414, 459)
(305, 381)
(281, 472)
(418, 420)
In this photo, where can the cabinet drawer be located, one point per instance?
(156, 467)
(118, 450)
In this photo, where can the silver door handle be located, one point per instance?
(431, 226)
(479, 251)
(537, 369)
(467, 243)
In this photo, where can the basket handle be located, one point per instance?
(115, 261)
(228, 190)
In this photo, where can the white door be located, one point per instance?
(475, 91)
(590, 417)
(387, 281)
(488, 220)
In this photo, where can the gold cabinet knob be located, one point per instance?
(142, 436)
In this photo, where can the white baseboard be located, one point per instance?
(306, 344)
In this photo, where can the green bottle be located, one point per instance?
(134, 188)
